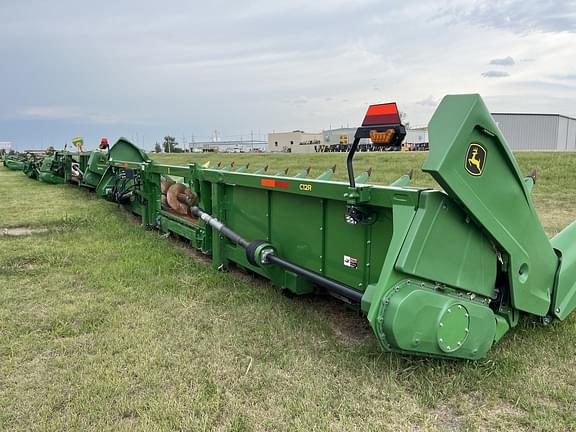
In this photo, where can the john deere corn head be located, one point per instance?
(13, 162)
(439, 273)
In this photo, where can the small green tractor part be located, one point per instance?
(94, 169)
(13, 163)
(75, 164)
(363, 178)
(404, 180)
(261, 170)
(227, 167)
(243, 168)
(53, 168)
(443, 273)
(303, 173)
(327, 175)
(121, 181)
(32, 165)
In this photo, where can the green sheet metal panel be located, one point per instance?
(444, 245)
(95, 168)
(346, 247)
(355, 253)
(474, 165)
(124, 150)
(48, 177)
(565, 291)
(380, 238)
(248, 212)
(296, 229)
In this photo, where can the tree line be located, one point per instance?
(169, 145)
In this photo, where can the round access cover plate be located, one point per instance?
(453, 328)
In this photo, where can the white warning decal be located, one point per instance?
(350, 261)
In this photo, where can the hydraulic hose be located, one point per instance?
(328, 284)
(220, 227)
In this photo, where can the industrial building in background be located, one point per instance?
(552, 132)
(523, 132)
(5, 147)
(230, 146)
(339, 139)
(336, 140)
(294, 142)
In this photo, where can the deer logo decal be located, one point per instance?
(475, 159)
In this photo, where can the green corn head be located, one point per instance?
(437, 273)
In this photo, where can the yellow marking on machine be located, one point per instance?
(475, 159)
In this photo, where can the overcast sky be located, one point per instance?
(144, 69)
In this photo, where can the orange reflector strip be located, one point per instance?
(274, 183)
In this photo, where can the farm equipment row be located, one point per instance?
(439, 273)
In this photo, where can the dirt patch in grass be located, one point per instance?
(447, 418)
(134, 218)
(469, 411)
(21, 231)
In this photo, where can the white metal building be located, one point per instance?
(346, 136)
(5, 146)
(294, 142)
(417, 136)
(341, 136)
(553, 132)
(227, 146)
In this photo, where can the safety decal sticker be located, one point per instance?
(350, 262)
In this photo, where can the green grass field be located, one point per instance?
(106, 326)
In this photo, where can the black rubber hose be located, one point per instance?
(328, 284)
(220, 227)
(234, 237)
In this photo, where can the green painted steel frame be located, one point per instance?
(233, 197)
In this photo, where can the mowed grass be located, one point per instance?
(106, 326)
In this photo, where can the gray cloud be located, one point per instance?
(428, 102)
(65, 113)
(302, 100)
(495, 74)
(568, 77)
(521, 16)
(545, 86)
(506, 61)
